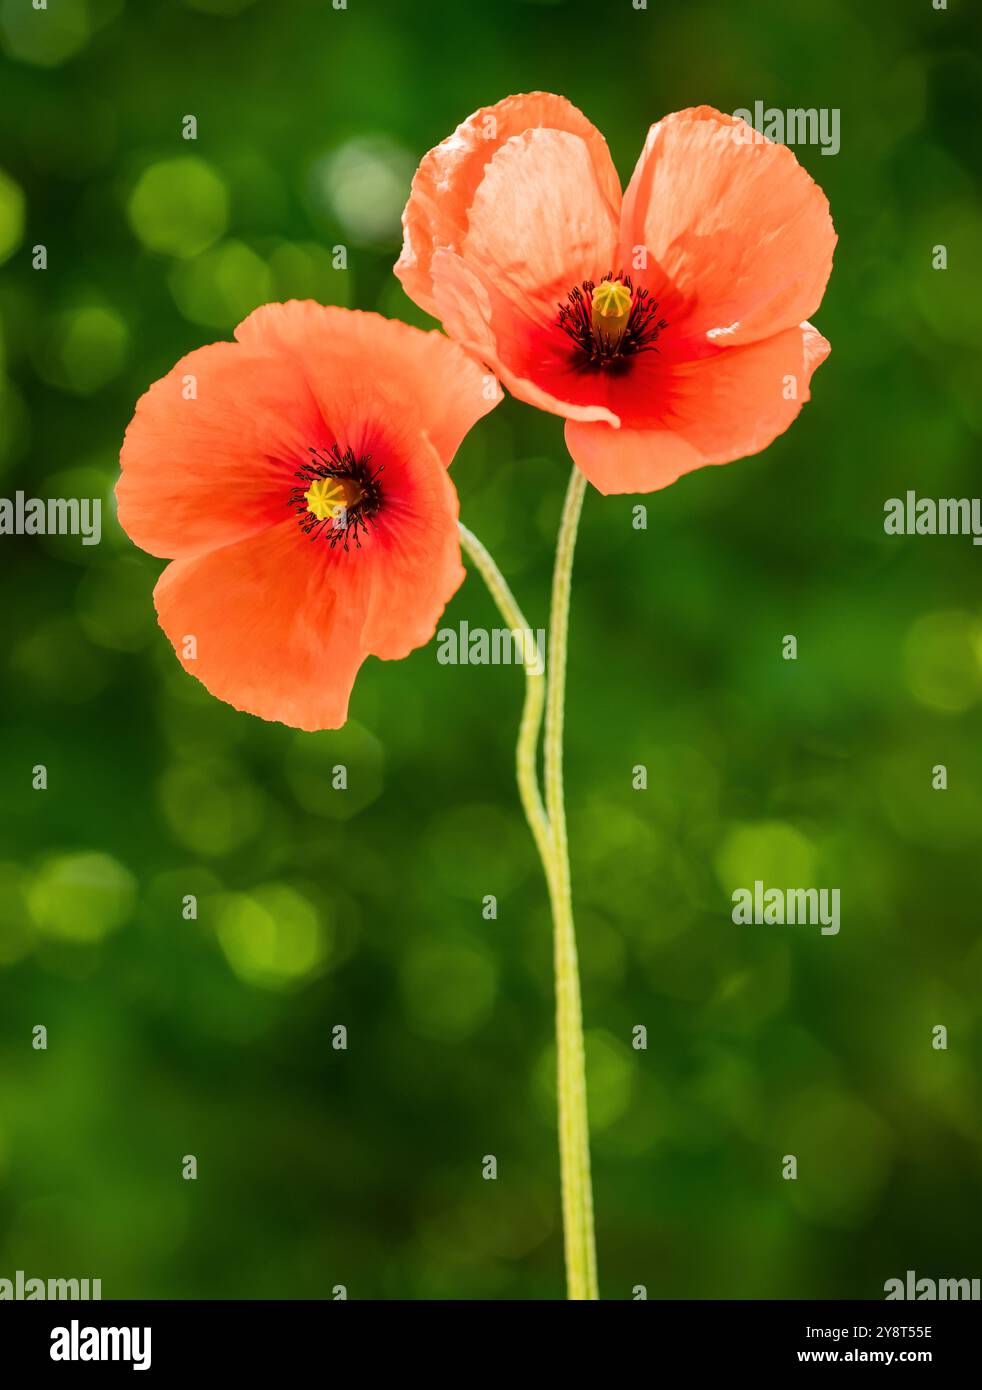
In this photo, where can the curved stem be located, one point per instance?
(574, 1134)
(535, 694)
(548, 825)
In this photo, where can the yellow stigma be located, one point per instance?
(330, 499)
(611, 309)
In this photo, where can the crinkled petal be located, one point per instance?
(737, 234)
(448, 177)
(540, 222)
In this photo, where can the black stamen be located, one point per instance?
(596, 349)
(358, 516)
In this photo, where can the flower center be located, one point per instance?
(328, 498)
(339, 496)
(610, 321)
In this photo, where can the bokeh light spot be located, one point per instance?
(210, 807)
(364, 185)
(943, 660)
(12, 205)
(179, 207)
(45, 38)
(81, 897)
(272, 936)
(87, 349)
(219, 288)
(772, 851)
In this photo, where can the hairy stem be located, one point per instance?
(535, 694)
(548, 825)
(574, 1134)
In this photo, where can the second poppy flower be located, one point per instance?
(668, 325)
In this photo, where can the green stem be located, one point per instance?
(574, 1133)
(535, 694)
(548, 825)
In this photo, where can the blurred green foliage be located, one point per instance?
(316, 908)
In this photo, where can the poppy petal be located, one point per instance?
(540, 222)
(416, 566)
(732, 222)
(448, 177)
(527, 353)
(282, 623)
(713, 410)
(347, 356)
(276, 633)
(208, 455)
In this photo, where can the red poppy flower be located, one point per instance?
(298, 480)
(669, 325)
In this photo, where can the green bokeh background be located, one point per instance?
(363, 908)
